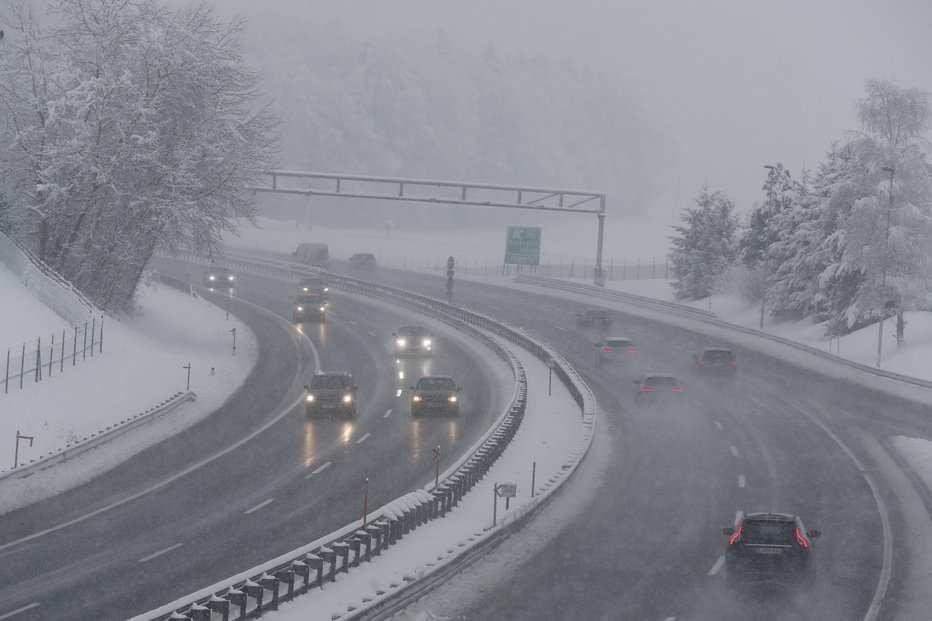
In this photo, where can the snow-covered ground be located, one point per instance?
(143, 355)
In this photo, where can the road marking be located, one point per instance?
(319, 470)
(371, 333)
(738, 516)
(19, 610)
(741, 480)
(398, 392)
(670, 619)
(561, 329)
(717, 567)
(719, 425)
(157, 554)
(733, 450)
(351, 322)
(387, 414)
(363, 439)
(258, 506)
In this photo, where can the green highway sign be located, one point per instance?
(522, 245)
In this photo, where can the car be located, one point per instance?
(770, 547)
(219, 278)
(716, 361)
(313, 254)
(615, 349)
(309, 307)
(331, 393)
(362, 261)
(314, 284)
(435, 394)
(594, 317)
(413, 341)
(655, 387)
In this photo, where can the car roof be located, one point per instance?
(618, 338)
(660, 375)
(413, 328)
(436, 377)
(770, 516)
(721, 349)
(333, 373)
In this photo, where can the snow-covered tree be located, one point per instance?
(764, 225)
(131, 127)
(704, 245)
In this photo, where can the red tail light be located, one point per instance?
(676, 390)
(802, 540)
(646, 389)
(632, 351)
(607, 350)
(701, 362)
(734, 538)
(733, 362)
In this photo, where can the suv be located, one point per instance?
(313, 284)
(715, 361)
(769, 546)
(435, 393)
(331, 393)
(655, 387)
(316, 255)
(219, 277)
(413, 340)
(594, 317)
(309, 307)
(362, 261)
(615, 349)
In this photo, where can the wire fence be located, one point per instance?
(623, 269)
(40, 360)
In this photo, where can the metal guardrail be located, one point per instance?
(96, 439)
(312, 566)
(711, 319)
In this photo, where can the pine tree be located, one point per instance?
(704, 245)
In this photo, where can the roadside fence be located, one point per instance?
(623, 269)
(43, 358)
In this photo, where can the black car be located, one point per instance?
(413, 341)
(594, 317)
(331, 393)
(717, 361)
(769, 546)
(435, 393)
(219, 278)
(362, 261)
(657, 387)
(615, 349)
(313, 284)
(309, 307)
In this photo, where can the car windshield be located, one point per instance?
(773, 532)
(436, 383)
(413, 331)
(308, 299)
(328, 381)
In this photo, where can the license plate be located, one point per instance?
(330, 406)
(770, 551)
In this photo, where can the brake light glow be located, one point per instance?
(646, 389)
(734, 538)
(701, 362)
(607, 350)
(676, 390)
(802, 540)
(632, 350)
(733, 362)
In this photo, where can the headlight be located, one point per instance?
(401, 342)
(347, 398)
(416, 398)
(310, 398)
(426, 343)
(305, 289)
(300, 308)
(231, 278)
(323, 308)
(211, 277)
(326, 289)
(452, 398)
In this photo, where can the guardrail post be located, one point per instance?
(316, 562)
(302, 569)
(177, 616)
(329, 556)
(287, 576)
(255, 591)
(375, 532)
(355, 545)
(342, 549)
(220, 606)
(199, 613)
(272, 584)
(237, 598)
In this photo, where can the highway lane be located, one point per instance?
(291, 483)
(648, 545)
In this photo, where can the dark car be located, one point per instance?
(656, 387)
(413, 341)
(314, 284)
(770, 546)
(219, 278)
(309, 307)
(331, 393)
(362, 261)
(594, 317)
(435, 393)
(615, 349)
(718, 361)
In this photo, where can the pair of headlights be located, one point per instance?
(418, 398)
(347, 398)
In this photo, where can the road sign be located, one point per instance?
(522, 245)
(507, 490)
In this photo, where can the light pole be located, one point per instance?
(883, 264)
(763, 299)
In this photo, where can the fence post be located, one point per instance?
(6, 381)
(84, 349)
(51, 355)
(74, 354)
(624, 269)
(101, 350)
(93, 334)
(61, 367)
(22, 367)
(39, 359)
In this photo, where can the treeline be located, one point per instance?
(840, 245)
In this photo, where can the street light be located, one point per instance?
(763, 299)
(883, 263)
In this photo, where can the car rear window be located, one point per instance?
(718, 355)
(619, 343)
(773, 532)
(435, 383)
(661, 381)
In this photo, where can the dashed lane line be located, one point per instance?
(363, 439)
(387, 414)
(12, 614)
(718, 425)
(741, 481)
(319, 469)
(733, 450)
(259, 506)
(717, 567)
(146, 559)
(398, 392)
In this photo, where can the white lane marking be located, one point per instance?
(19, 610)
(258, 506)
(351, 322)
(387, 414)
(561, 329)
(371, 333)
(741, 480)
(319, 470)
(160, 553)
(717, 567)
(733, 450)
(670, 619)
(398, 392)
(164, 482)
(719, 425)
(738, 516)
(363, 439)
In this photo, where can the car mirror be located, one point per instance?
(815, 534)
(728, 531)
(307, 387)
(413, 388)
(395, 334)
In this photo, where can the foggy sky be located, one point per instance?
(739, 83)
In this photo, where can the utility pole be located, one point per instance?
(883, 263)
